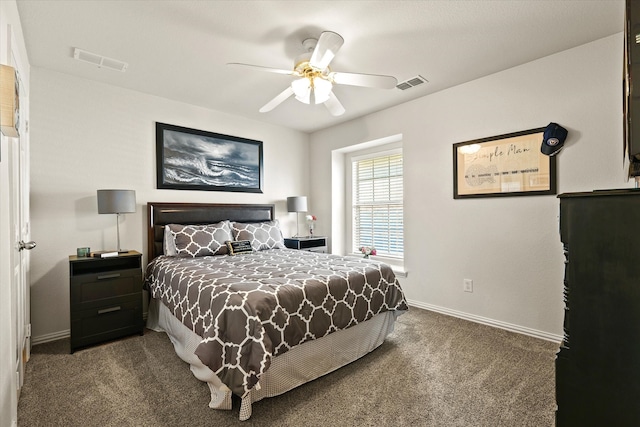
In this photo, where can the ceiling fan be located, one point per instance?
(315, 79)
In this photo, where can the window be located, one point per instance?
(377, 197)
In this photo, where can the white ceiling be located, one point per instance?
(178, 49)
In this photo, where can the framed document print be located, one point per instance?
(503, 165)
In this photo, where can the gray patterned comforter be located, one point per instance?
(248, 308)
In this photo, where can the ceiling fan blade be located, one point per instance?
(365, 80)
(328, 44)
(280, 98)
(261, 68)
(334, 106)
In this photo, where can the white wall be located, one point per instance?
(86, 136)
(508, 246)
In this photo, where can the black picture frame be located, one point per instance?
(503, 166)
(192, 159)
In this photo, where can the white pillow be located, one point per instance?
(169, 244)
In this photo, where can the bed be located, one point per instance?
(260, 323)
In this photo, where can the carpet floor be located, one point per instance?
(433, 370)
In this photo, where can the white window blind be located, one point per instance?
(378, 204)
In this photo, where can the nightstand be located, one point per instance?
(312, 244)
(105, 298)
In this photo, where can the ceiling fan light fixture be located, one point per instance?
(314, 79)
(305, 99)
(302, 89)
(321, 89)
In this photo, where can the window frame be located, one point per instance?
(381, 151)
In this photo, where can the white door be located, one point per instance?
(19, 182)
(14, 229)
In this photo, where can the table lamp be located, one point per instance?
(117, 202)
(297, 204)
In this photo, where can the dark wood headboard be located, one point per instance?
(161, 214)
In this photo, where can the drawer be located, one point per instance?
(95, 290)
(585, 397)
(105, 323)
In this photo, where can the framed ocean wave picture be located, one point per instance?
(191, 159)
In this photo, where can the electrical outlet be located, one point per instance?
(468, 285)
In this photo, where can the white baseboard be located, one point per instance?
(489, 322)
(51, 337)
(399, 272)
(63, 334)
(459, 314)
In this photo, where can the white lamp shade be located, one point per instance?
(297, 204)
(321, 89)
(116, 201)
(302, 89)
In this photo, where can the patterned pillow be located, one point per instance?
(201, 240)
(262, 235)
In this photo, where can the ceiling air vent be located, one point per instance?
(99, 60)
(412, 82)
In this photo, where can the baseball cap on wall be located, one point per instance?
(553, 139)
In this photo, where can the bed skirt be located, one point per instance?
(299, 365)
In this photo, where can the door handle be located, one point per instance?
(26, 245)
(109, 310)
(108, 276)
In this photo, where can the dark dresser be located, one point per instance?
(105, 298)
(598, 365)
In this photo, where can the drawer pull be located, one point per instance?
(108, 276)
(109, 310)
